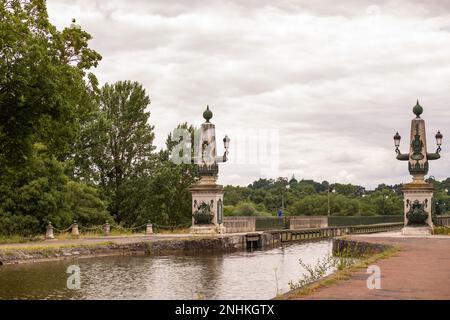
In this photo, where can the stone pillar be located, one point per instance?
(208, 194)
(107, 229)
(75, 230)
(149, 228)
(49, 232)
(418, 199)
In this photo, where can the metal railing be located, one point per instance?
(271, 223)
(442, 220)
(282, 223)
(337, 221)
(330, 232)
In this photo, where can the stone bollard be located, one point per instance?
(49, 232)
(107, 229)
(149, 229)
(75, 230)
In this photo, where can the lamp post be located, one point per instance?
(418, 156)
(385, 198)
(418, 195)
(285, 191)
(207, 195)
(359, 204)
(330, 190)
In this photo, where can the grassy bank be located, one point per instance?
(19, 239)
(84, 235)
(339, 275)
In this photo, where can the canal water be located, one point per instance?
(258, 274)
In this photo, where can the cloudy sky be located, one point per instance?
(322, 86)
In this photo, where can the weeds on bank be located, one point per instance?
(83, 235)
(314, 278)
(442, 231)
(19, 239)
(52, 248)
(316, 272)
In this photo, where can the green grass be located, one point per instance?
(340, 275)
(83, 235)
(54, 247)
(442, 230)
(19, 239)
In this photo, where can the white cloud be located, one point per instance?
(337, 79)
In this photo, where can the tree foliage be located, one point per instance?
(41, 81)
(116, 144)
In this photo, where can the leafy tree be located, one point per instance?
(41, 81)
(40, 192)
(85, 204)
(162, 195)
(312, 205)
(118, 143)
(246, 208)
(386, 202)
(45, 94)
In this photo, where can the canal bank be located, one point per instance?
(162, 244)
(410, 268)
(241, 274)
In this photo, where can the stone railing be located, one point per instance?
(239, 224)
(249, 224)
(308, 222)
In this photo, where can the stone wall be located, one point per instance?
(357, 247)
(308, 222)
(239, 224)
(248, 224)
(50, 253)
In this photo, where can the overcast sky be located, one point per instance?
(333, 80)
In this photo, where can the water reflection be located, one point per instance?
(240, 275)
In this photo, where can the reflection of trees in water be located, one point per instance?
(193, 276)
(160, 277)
(197, 274)
(116, 277)
(210, 275)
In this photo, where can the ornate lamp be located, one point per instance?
(418, 156)
(418, 194)
(439, 137)
(207, 195)
(74, 24)
(397, 139)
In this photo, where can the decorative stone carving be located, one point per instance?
(417, 214)
(203, 214)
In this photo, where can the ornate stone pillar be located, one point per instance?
(418, 194)
(207, 195)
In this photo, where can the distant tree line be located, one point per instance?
(266, 197)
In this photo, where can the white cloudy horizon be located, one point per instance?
(335, 80)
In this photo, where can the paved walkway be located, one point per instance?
(421, 270)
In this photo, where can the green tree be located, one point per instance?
(85, 204)
(41, 81)
(39, 192)
(246, 208)
(161, 195)
(118, 143)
